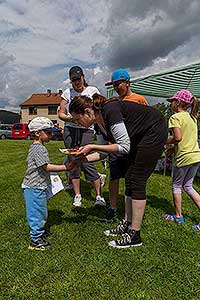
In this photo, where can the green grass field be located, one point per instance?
(81, 265)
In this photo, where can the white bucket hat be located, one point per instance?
(40, 123)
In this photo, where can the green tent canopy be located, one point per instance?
(165, 84)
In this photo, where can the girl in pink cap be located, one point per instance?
(186, 149)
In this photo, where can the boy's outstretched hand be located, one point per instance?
(71, 165)
(75, 162)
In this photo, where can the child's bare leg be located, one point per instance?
(178, 204)
(76, 186)
(196, 198)
(113, 192)
(188, 184)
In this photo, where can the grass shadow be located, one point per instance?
(168, 173)
(55, 217)
(160, 203)
(86, 189)
(83, 214)
(92, 213)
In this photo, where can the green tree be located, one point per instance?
(8, 117)
(164, 108)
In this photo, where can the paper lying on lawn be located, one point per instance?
(56, 185)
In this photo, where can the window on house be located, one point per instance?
(32, 110)
(52, 110)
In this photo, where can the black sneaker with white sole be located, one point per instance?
(47, 234)
(120, 229)
(41, 244)
(130, 239)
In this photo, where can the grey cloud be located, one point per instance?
(140, 51)
(175, 9)
(41, 44)
(14, 33)
(3, 102)
(23, 81)
(19, 6)
(5, 58)
(141, 31)
(6, 62)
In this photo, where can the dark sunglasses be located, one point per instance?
(75, 79)
(117, 83)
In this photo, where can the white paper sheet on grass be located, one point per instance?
(56, 185)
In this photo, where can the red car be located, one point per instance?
(20, 131)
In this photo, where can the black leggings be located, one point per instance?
(142, 162)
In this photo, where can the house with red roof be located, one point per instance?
(42, 105)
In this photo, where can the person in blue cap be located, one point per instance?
(118, 75)
(120, 80)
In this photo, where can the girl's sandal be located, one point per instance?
(173, 218)
(196, 227)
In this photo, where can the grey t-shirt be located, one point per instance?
(36, 177)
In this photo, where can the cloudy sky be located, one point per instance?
(41, 39)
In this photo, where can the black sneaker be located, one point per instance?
(130, 239)
(41, 244)
(111, 215)
(120, 229)
(47, 234)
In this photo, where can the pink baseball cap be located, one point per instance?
(182, 96)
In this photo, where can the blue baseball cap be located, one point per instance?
(118, 75)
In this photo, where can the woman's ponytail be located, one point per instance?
(99, 101)
(195, 107)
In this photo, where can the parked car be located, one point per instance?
(20, 131)
(5, 131)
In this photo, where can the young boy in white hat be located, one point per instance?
(37, 180)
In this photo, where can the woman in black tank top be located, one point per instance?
(137, 130)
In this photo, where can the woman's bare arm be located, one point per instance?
(63, 114)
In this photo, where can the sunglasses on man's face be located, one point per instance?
(117, 83)
(75, 79)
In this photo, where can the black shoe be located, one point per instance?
(130, 239)
(41, 244)
(47, 234)
(120, 229)
(111, 215)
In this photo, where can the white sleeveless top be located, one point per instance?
(69, 95)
